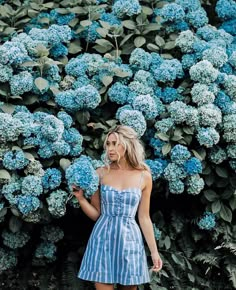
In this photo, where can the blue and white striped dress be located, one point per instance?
(115, 251)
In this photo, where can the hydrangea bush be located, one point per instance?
(68, 73)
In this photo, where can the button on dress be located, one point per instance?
(115, 251)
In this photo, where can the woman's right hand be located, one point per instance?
(78, 192)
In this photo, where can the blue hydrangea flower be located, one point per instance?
(133, 119)
(217, 155)
(5, 73)
(168, 71)
(229, 26)
(189, 5)
(13, 160)
(27, 204)
(59, 33)
(119, 93)
(215, 55)
(138, 88)
(177, 110)
(32, 185)
(157, 145)
(172, 13)
(208, 221)
(51, 178)
(201, 94)
(59, 50)
(147, 105)
(203, 72)
(185, 41)
(8, 259)
(208, 137)
(10, 128)
(110, 18)
(52, 128)
(82, 174)
(13, 53)
(230, 86)
(90, 33)
(156, 168)
(157, 232)
(46, 250)
(140, 59)
(197, 18)
(226, 9)
(51, 233)
(65, 118)
(15, 240)
(224, 102)
(209, 115)
(189, 60)
(11, 191)
(122, 8)
(174, 172)
(145, 77)
(76, 67)
(164, 125)
(57, 203)
(179, 154)
(176, 186)
(21, 83)
(61, 19)
(229, 128)
(195, 184)
(193, 166)
(170, 95)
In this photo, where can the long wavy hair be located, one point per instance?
(134, 150)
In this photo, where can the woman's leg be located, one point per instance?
(130, 287)
(102, 286)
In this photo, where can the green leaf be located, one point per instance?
(4, 174)
(151, 27)
(167, 242)
(226, 213)
(216, 206)
(120, 73)
(191, 277)
(29, 156)
(85, 23)
(166, 149)
(82, 117)
(159, 41)
(102, 31)
(8, 108)
(210, 195)
(3, 212)
(104, 42)
(209, 179)
(139, 41)
(222, 172)
(147, 10)
(169, 45)
(101, 49)
(129, 24)
(15, 211)
(162, 136)
(41, 83)
(153, 47)
(188, 130)
(107, 80)
(30, 64)
(74, 47)
(64, 163)
(200, 154)
(232, 202)
(15, 224)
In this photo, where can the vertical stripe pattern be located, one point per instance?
(115, 251)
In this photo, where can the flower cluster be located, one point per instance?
(208, 221)
(51, 178)
(82, 174)
(121, 8)
(13, 160)
(57, 203)
(8, 259)
(15, 240)
(51, 233)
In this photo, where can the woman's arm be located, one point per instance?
(92, 209)
(146, 223)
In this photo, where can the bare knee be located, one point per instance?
(130, 287)
(103, 286)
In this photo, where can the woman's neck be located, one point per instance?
(122, 165)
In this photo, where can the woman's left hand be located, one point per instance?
(157, 262)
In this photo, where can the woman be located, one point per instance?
(115, 252)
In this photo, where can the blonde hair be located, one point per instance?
(134, 150)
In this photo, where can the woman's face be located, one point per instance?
(113, 148)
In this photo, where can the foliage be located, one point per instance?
(71, 70)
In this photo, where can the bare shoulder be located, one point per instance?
(101, 171)
(147, 178)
